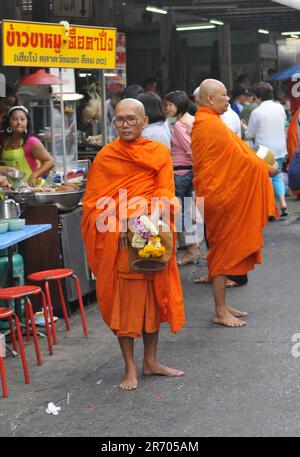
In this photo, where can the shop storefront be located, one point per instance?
(49, 93)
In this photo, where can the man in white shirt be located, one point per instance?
(232, 120)
(266, 128)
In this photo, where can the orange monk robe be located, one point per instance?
(238, 195)
(292, 140)
(143, 168)
(292, 135)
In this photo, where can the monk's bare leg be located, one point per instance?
(223, 315)
(151, 365)
(130, 381)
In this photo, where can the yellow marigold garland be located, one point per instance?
(145, 239)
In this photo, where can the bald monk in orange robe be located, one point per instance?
(292, 140)
(292, 135)
(238, 197)
(131, 303)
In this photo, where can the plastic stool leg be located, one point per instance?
(81, 307)
(44, 305)
(13, 335)
(27, 323)
(50, 307)
(34, 333)
(3, 378)
(22, 350)
(63, 304)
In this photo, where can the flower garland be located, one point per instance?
(146, 239)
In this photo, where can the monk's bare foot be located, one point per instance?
(158, 369)
(130, 381)
(237, 312)
(228, 320)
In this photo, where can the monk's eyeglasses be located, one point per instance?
(130, 120)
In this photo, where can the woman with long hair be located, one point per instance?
(157, 128)
(177, 106)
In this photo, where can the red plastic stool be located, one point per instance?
(58, 274)
(7, 313)
(17, 292)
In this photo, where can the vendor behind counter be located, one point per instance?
(20, 149)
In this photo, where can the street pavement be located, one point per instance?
(238, 382)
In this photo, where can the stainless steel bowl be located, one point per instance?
(23, 195)
(64, 201)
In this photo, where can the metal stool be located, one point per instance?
(7, 313)
(18, 292)
(57, 275)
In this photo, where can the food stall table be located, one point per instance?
(9, 239)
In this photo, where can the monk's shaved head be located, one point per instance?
(213, 94)
(132, 103)
(208, 87)
(130, 119)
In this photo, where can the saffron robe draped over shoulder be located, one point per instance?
(238, 195)
(292, 135)
(292, 140)
(144, 169)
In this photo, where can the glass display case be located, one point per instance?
(47, 115)
(70, 133)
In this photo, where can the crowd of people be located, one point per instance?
(180, 149)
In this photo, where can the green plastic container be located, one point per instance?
(18, 279)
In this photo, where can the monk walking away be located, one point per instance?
(238, 198)
(133, 304)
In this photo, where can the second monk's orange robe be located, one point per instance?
(130, 302)
(292, 140)
(238, 195)
(292, 135)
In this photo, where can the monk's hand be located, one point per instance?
(123, 240)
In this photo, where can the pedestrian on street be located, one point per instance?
(177, 106)
(132, 303)
(238, 197)
(267, 128)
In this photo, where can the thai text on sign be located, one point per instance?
(54, 45)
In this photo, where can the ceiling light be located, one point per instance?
(215, 21)
(291, 3)
(294, 36)
(110, 75)
(153, 9)
(290, 33)
(181, 28)
(266, 32)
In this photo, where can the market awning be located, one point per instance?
(287, 73)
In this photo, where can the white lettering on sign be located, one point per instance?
(71, 8)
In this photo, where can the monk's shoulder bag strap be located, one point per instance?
(294, 168)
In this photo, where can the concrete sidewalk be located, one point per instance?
(238, 382)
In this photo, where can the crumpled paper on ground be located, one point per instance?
(52, 409)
